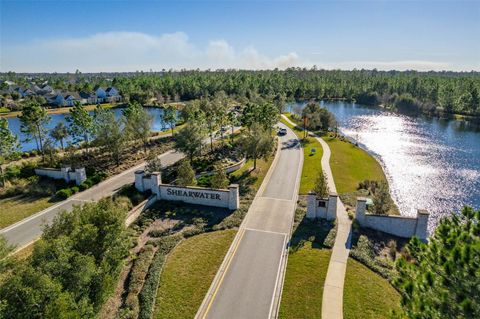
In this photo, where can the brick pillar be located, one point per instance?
(233, 197)
(360, 210)
(311, 205)
(421, 229)
(332, 206)
(139, 180)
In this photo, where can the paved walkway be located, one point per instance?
(332, 303)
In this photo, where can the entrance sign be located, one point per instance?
(227, 198)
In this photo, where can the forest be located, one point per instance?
(433, 93)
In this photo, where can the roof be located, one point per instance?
(86, 95)
(110, 88)
(74, 95)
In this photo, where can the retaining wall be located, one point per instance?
(66, 173)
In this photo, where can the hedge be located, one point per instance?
(149, 291)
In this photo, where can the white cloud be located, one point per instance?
(130, 51)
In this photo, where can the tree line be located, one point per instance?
(410, 91)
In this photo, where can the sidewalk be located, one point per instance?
(332, 302)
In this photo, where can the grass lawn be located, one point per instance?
(351, 165)
(258, 175)
(19, 207)
(312, 162)
(188, 273)
(366, 294)
(304, 280)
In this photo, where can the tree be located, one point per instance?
(317, 118)
(33, 121)
(8, 145)
(440, 279)
(189, 140)
(321, 186)
(209, 107)
(233, 121)
(59, 133)
(170, 116)
(221, 110)
(154, 164)
(73, 269)
(220, 178)
(137, 123)
(186, 174)
(381, 199)
(81, 123)
(257, 143)
(109, 134)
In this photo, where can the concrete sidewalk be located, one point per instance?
(332, 302)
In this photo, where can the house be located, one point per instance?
(44, 90)
(56, 99)
(101, 94)
(88, 98)
(113, 95)
(70, 98)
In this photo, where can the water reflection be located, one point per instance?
(14, 124)
(430, 163)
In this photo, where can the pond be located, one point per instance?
(14, 124)
(430, 163)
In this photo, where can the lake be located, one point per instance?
(14, 124)
(429, 163)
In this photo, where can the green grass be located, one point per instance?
(312, 162)
(350, 165)
(4, 110)
(19, 207)
(304, 280)
(188, 273)
(258, 174)
(366, 294)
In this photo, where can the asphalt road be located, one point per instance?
(30, 228)
(251, 279)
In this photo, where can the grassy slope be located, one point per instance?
(312, 162)
(351, 165)
(304, 280)
(17, 208)
(188, 273)
(259, 173)
(366, 294)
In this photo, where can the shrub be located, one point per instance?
(74, 189)
(83, 186)
(63, 193)
(148, 294)
(137, 279)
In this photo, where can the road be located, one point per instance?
(249, 282)
(29, 229)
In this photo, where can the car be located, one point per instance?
(282, 131)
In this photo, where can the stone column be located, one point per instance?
(421, 229)
(332, 206)
(311, 205)
(155, 181)
(65, 170)
(139, 180)
(233, 197)
(360, 210)
(80, 175)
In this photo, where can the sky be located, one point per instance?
(111, 36)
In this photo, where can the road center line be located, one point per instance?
(266, 231)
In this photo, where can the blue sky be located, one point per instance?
(142, 35)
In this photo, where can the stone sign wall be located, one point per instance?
(227, 198)
(401, 226)
(325, 208)
(66, 173)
